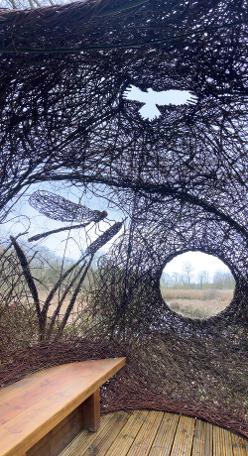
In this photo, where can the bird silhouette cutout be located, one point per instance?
(152, 99)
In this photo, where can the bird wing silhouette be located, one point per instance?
(133, 93)
(173, 97)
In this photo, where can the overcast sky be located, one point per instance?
(200, 262)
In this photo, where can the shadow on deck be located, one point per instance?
(142, 433)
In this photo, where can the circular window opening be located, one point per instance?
(197, 285)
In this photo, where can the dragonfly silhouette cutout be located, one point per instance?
(57, 207)
(152, 99)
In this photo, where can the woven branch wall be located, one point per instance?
(181, 178)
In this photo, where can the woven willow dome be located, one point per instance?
(181, 179)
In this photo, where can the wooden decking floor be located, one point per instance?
(142, 433)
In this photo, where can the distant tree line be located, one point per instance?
(201, 279)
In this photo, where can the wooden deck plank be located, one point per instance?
(23, 429)
(222, 443)
(164, 439)
(127, 435)
(145, 437)
(239, 445)
(104, 439)
(227, 440)
(184, 437)
(203, 439)
(85, 439)
(144, 433)
(217, 442)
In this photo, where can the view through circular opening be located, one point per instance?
(197, 285)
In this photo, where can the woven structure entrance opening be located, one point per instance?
(197, 285)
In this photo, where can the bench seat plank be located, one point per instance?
(32, 407)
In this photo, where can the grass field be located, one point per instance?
(197, 303)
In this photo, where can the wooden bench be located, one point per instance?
(42, 413)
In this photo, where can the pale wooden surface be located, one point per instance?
(32, 407)
(150, 433)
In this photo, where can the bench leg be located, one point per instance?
(91, 412)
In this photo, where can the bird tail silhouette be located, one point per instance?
(150, 112)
